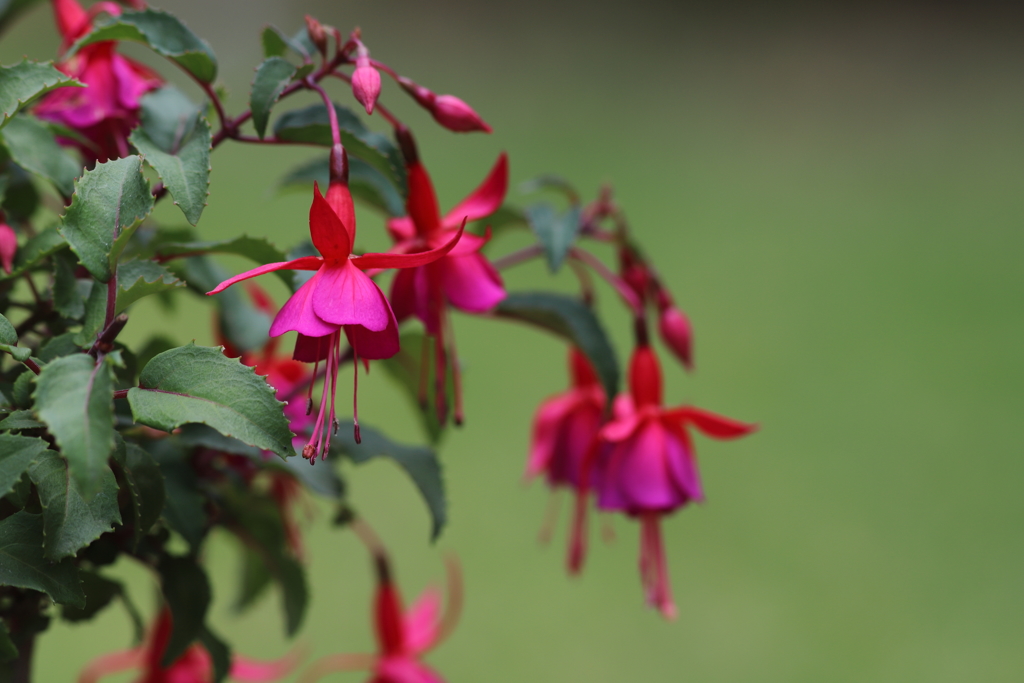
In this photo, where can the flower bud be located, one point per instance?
(317, 34)
(457, 116)
(366, 84)
(645, 378)
(677, 334)
(8, 247)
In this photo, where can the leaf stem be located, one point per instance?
(105, 342)
(31, 365)
(226, 124)
(121, 393)
(384, 111)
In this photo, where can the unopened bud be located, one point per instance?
(677, 334)
(317, 34)
(448, 110)
(645, 377)
(8, 247)
(365, 81)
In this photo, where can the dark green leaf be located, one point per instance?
(20, 198)
(95, 315)
(154, 347)
(259, 249)
(19, 419)
(139, 278)
(255, 579)
(419, 462)
(244, 326)
(58, 347)
(311, 125)
(145, 487)
(506, 217)
(16, 454)
(110, 202)
(23, 82)
(406, 369)
(162, 32)
(75, 398)
(187, 592)
(199, 384)
(364, 181)
(184, 507)
(208, 437)
(8, 651)
(22, 563)
(33, 147)
(184, 168)
(219, 651)
(99, 592)
(555, 231)
(7, 333)
(272, 76)
(168, 117)
(274, 44)
(47, 242)
(21, 393)
(571, 319)
(67, 295)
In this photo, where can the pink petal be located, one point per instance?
(471, 283)
(401, 228)
(546, 426)
(254, 671)
(133, 81)
(297, 313)
(374, 345)
(304, 263)
(405, 670)
(111, 663)
(346, 296)
(421, 621)
(330, 236)
(621, 427)
(644, 477)
(421, 258)
(470, 244)
(682, 462)
(484, 200)
(711, 424)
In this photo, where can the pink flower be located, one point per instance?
(402, 638)
(677, 334)
(194, 666)
(448, 110)
(650, 468)
(106, 110)
(340, 297)
(8, 247)
(365, 79)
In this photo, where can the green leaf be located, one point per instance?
(555, 231)
(244, 326)
(184, 168)
(33, 147)
(75, 398)
(16, 454)
(364, 181)
(419, 462)
(184, 507)
(199, 384)
(551, 181)
(58, 347)
(220, 653)
(99, 592)
(139, 278)
(110, 202)
(20, 197)
(67, 295)
(273, 42)
(311, 125)
(95, 315)
(255, 577)
(7, 332)
(571, 319)
(22, 563)
(272, 77)
(8, 651)
(19, 419)
(47, 242)
(25, 81)
(506, 217)
(145, 484)
(259, 249)
(187, 591)
(21, 394)
(405, 367)
(168, 117)
(162, 32)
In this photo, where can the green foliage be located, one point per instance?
(199, 384)
(8, 651)
(163, 33)
(99, 593)
(33, 147)
(75, 398)
(220, 653)
(168, 117)
(272, 77)
(183, 166)
(145, 485)
(110, 202)
(406, 368)
(19, 420)
(16, 454)
(139, 278)
(555, 231)
(31, 254)
(276, 43)
(184, 507)
(364, 182)
(68, 299)
(187, 592)
(22, 563)
(21, 83)
(9, 341)
(256, 248)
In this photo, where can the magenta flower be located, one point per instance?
(650, 467)
(105, 111)
(677, 333)
(8, 247)
(448, 110)
(339, 298)
(194, 666)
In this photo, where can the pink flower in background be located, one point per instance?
(107, 109)
(8, 247)
(677, 333)
(194, 666)
(649, 468)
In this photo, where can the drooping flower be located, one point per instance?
(194, 666)
(464, 278)
(402, 638)
(564, 444)
(340, 299)
(8, 247)
(650, 468)
(107, 109)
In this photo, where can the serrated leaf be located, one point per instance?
(47, 242)
(167, 116)
(272, 77)
(571, 319)
(555, 231)
(95, 315)
(187, 592)
(21, 392)
(25, 81)
(405, 367)
(311, 125)
(75, 398)
(163, 33)
(18, 419)
(16, 454)
(22, 563)
(67, 295)
(58, 347)
(7, 333)
(364, 181)
(419, 462)
(184, 169)
(199, 384)
(33, 147)
(139, 278)
(145, 488)
(109, 203)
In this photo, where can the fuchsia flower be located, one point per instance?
(8, 247)
(194, 666)
(107, 109)
(402, 638)
(365, 80)
(339, 298)
(650, 467)
(448, 110)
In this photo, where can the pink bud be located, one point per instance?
(8, 247)
(677, 334)
(456, 115)
(366, 84)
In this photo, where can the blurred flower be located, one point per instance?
(194, 666)
(8, 247)
(650, 468)
(104, 112)
(676, 331)
(448, 110)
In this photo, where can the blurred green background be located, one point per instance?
(836, 196)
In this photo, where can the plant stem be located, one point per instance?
(517, 257)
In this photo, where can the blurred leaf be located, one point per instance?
(33, 147)
(7, 333)
(242, 325)
(255, 577)
(551, 181)
(75, 398)
(99, 592)
(21, 393)
(67, 296)
(406, 368)
(273, 42)
(208, 437)
(8, 651)
(220, 653)
(321, 480)
(571, 319)
(139, 278)
(311, 125)
(167, 117)
(47, 242)
(507, 216)
(199, 384)
(364, 181)
(16, 454)
(25, 81)
(272, 77)
(259, 249)
(162, 32)
(184, 507)
(555, 231)
(110, 202)
(184, 167)
(18, 419)
(187, 592)
(21, 198)
(419, 462)
(145, 488)
(95, 316)
(22, 563)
